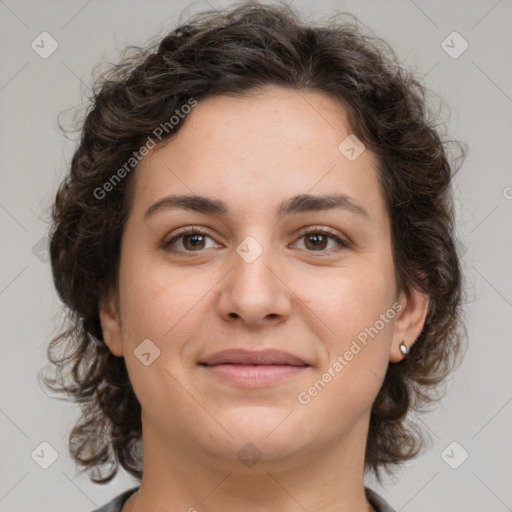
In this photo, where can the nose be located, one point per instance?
(255, 292)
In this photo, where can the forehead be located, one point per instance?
(259, 150)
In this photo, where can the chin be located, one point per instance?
(272, 429)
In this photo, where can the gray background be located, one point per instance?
(477, 410)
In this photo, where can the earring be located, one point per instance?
(403, 348)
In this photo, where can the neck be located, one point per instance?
(321, 478)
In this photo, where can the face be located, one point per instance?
(301, 293)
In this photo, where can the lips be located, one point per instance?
(245, 357)
(253, 369)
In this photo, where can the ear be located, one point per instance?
(111, 324)
(409, 321)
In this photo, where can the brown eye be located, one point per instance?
(317, 240)
(193, 241)
(187, 241)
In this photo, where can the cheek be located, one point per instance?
(357, 320)
(155, 305)
(161, 308)
(349, 304)
(166, 305)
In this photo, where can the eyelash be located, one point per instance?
(315, 230)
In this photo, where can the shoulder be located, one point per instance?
(377, 501)
(117, 503)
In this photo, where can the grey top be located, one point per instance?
(117, 503)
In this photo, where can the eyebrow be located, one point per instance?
(297, 204)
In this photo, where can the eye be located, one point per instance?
(190, 240)
(317, 238)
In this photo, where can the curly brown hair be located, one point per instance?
(234, 52)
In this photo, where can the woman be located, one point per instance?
(255, 244)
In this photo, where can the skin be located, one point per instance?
(253, 153)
